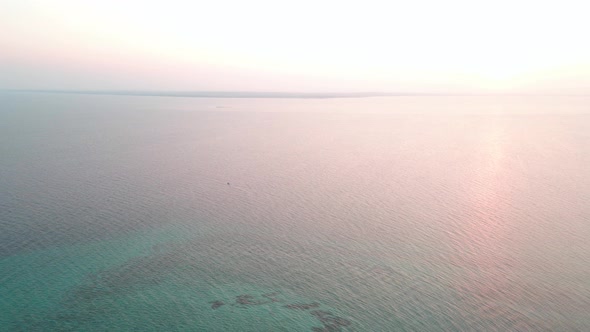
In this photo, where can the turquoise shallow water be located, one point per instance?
(129, 283)
(370, 214)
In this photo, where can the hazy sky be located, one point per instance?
(299, 45)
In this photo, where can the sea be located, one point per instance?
(399, 213)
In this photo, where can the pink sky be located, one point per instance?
(420, 46)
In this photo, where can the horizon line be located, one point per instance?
(277, 94)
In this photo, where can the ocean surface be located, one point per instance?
(415, 213)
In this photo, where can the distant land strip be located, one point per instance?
(256, 94)
(225, 94)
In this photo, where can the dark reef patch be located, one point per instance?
(302, 306)
(216, 304)
(249, 300)
(331, 323)
(272, 297)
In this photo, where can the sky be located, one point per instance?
(304, 46)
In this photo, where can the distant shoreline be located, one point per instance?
(278, 95)
(223, 94)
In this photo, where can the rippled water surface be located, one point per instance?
(368, 214)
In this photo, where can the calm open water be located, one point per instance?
(369, 214)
